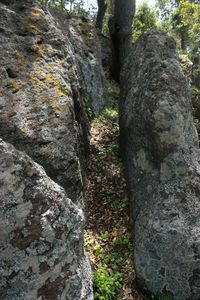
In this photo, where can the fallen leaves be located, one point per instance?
(108, 239)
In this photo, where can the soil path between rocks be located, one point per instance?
(108, 239)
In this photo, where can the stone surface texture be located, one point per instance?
(41, 98)
(162, 159)
(87, 50)
(106, 53)
(43, 113)
(41, 236)
(88, 56)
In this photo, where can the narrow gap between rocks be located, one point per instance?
(108, 239)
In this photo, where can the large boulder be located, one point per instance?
(41, 236)
(162, 159)
(42, 101)
(43, 113)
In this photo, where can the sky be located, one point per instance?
(150, 2)
(93, 2)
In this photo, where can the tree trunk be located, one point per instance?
(102, 6)
(184, 37)
(120, 26)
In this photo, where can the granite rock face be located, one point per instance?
(162, 160)
(36, 97)
(43, 113)
(41, 236)
(88, 58)
(87, 50)
(42, 102)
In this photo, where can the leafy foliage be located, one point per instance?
(182, 19)
(112, 251)
(105, 284)
(71, 7)
(145, 19)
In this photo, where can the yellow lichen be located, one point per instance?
(35, 23)
(24, 129)
(40, 72)
(35, 26)
(37, 11)
(48, 67)
(20, 57)
(15, 85)
(41, 48)
(61, 94)
(86, 28)
(49, 78)
(56, 84)
(57, 87)
(58, 110)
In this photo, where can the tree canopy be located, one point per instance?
(145, 19)
(182, 19)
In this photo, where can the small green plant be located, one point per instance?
(98, 249)
(124, 241)
(104, 236)
(122, 206)
(110, 113)
(113, 147)
(106, 284)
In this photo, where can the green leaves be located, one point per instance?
(182, 18)
(145, 19)
(106, 284)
